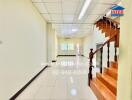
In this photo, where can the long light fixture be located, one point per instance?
(84, 9)
(74, 30)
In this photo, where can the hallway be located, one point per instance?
(64, 80)
(50, 50)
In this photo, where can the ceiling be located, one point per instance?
(63, 15)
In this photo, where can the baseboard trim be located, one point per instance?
(53, 60)
(26, 85)
(66, 55)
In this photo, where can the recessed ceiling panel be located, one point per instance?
(36, 0)
(51, 1)
(46, 17)
(56, 16)
(68, 18)
(53, 8)
(41, 7)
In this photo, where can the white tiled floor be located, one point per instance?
(64, 80)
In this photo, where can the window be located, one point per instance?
(63, 46)
(67, 46)
(71, 46)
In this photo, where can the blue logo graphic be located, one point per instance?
(117, 11)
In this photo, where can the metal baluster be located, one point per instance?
(115, 57)
(108, 56)
(106, 23)
(110, 25)
(101, 60)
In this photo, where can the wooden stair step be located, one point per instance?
(111, 72)
(101, 91)
(108, 81)
(114, 64)
(108, 30)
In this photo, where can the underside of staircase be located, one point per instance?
(104, 85)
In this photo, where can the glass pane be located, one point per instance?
(63, 46)
(70, 46)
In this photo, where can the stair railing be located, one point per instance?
(114, 36)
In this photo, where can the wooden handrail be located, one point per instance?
(104, 44)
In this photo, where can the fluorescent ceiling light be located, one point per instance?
(73, 92)
(74, 30)
(84, 9)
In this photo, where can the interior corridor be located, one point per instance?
(64, 80)
(65, 50)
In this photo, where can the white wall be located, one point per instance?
(56, 44)
(23, 47)
(87, 44)
(124, 91)
(71, 40)
(52, 43)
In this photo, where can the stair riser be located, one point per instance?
(111, 73)
(97, 92)
(107, 84)
(109, 31)
(101, 91)
(114, 65)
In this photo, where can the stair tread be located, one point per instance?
(114, 62)
(109, 30)
(114, 65)
(105, 92)
(113, 69)
(109, 79)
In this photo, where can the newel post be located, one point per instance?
(90, 66)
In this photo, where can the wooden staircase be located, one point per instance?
(104, 85)
(109, 28)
